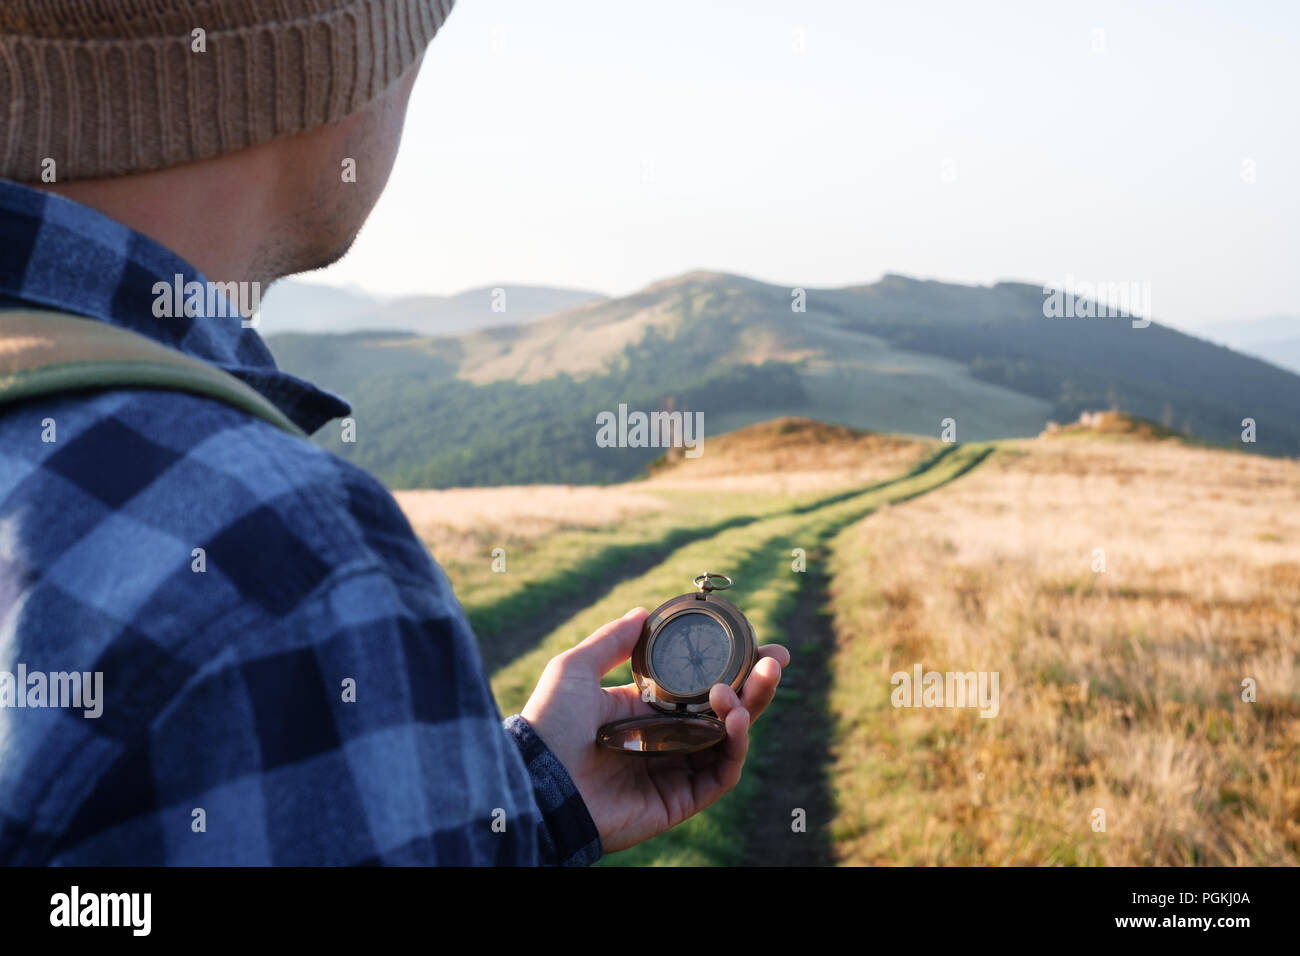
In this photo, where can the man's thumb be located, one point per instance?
(611, 644)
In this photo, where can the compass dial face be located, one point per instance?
(691, 653)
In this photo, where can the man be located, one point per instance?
(286, 676)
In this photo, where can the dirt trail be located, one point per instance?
(795, 761)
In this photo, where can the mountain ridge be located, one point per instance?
(898, 355)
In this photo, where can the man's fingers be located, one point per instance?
(723, 700)
(763, 680)
(759, 689)
(610, 645)
(731, 752)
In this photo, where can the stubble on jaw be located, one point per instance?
(326, 223)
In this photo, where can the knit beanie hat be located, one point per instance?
(110, 87)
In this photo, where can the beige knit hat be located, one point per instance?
(108, 87)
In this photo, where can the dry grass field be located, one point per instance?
(465, 524)
(1121, 690)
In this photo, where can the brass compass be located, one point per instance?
(688, 644)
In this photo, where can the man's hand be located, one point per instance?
(633, 798)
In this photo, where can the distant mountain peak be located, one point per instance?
(305, 307)
(696, 277)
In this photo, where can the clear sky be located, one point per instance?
(604, 144)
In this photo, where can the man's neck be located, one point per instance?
(216, 214)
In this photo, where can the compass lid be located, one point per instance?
(656, 734)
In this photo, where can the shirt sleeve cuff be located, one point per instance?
(568, 834)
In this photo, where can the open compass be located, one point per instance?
(688, 644)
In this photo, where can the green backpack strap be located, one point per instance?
(45, 353)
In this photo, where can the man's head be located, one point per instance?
(252, 139)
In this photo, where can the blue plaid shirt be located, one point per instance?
(227, 733)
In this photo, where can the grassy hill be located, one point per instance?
(517, 403)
